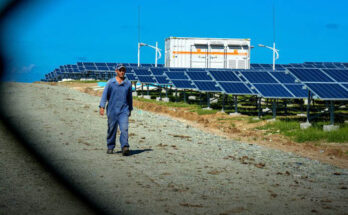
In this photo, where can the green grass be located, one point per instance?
(314, 133)
(201, 111)
(94, 81)
(191, 107)
(253, 120)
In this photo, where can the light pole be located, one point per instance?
(157, 52)
(275, 51)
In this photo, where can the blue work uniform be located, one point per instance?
(120, 104)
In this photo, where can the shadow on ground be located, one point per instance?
(136, 151)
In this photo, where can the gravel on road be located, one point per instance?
(173, 168)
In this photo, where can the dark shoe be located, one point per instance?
(125, 151)
(110, 151)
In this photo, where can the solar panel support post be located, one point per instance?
(208, 100)
(223, 103)
(200, 99)
(184, 95)
(166, 88)
(176, 95)
(259, 107)
(285, 106)
(235, 104)
(274, 108)
(142, 89)
(332, 113)
(308, 105)
(148, 91)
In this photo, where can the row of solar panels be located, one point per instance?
(91, 66)
(306, 65)
(326, 84)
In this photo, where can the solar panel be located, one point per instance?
(158, 71)
(297, 65)
(256, 66)
(142, 71)
(345, 85)
(162, 79)
(146, 79)
(224, 75)
(235, 88)
(100, 64)
(338, 75)
(177, 69)
(328, 90)
(183, 84)
(258, 77)
(177, 76)
(92, 68)
(283, 77)
(297, 90)
(196, 69)
(146, 65)
(88, 64)
(131, 77)
(207, 86)
(199, 76)
(310, 75)
(273, 91)
(266, 66)
(102, 68)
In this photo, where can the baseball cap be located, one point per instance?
(119, 66)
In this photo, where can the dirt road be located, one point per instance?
(174, 168)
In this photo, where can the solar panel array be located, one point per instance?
(327, 84)
(326, 80)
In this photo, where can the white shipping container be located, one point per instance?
(207, 53)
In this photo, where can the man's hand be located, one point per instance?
(101, 111)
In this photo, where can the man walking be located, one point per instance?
(118, 94)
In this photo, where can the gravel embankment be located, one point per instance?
(174, 168)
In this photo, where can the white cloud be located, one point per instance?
(27, 69)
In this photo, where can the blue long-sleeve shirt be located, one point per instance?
(118, 96)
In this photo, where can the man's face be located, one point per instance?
(120, 73)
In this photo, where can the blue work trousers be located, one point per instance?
(122, 121)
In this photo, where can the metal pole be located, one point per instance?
(308, 105)
(332, 113)
(273, 56)
(138, 54)
(184, 95)
(208, 100)
(259, 107)
(166, 91)
(286, 107)
(156, 54)
(235, 104)
(223, 103)
(200, 98)
(176, 95)
(274, 105)
(148, 89)
(142, 89)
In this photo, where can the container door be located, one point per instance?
(232, 56)
(237, 57)
(199, 56)
(216, 56)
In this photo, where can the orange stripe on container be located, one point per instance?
(210, 53)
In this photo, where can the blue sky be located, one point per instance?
(41, 36)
